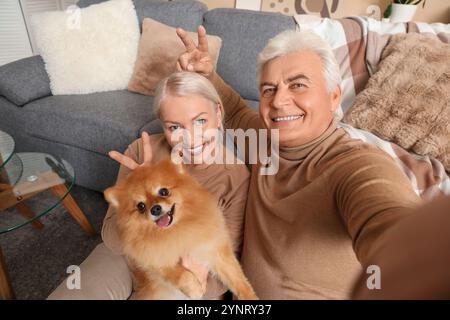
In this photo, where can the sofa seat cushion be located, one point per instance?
(97, 122)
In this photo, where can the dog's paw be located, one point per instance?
(191, 287)
(247, 294)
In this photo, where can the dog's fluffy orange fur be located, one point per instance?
(163, 214)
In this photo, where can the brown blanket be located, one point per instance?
(407, 100)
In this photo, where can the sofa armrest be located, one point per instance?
(24, 80)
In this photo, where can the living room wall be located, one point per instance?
(434, 11)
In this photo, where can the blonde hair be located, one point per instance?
(182, 84)
(290, 41)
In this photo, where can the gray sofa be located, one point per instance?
(83, 128)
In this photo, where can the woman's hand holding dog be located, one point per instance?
(197, 269)
(196, 58)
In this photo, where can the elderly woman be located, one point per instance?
(187, 105)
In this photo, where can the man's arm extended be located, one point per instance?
(372, 195)
(238, 115)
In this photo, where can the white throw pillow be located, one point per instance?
(88, 50)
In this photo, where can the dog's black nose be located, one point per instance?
(156, 210)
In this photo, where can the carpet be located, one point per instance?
(37, 260)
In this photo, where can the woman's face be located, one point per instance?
(190, 124)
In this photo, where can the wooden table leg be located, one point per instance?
(6, 291)
(27, 213)
(73, 209)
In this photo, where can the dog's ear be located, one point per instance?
(179, 167)
(176, 162)
(112, 196)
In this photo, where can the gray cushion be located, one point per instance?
(97, 122)
(187, 14)
(244, 34)
(24, 80)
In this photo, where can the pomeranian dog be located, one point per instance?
(163, 214)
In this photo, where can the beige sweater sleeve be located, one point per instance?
(238, 115)
(415, 257)
(373, 195)
(109, 229)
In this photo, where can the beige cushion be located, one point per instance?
(159, 50)
(407, 101)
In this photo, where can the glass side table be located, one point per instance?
(7, 147)
(27, 175)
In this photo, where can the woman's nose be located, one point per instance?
(194, 136)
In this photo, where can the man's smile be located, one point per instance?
(288, 118)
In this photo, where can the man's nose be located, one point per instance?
(281, 98)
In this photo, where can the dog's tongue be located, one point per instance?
(164, 221)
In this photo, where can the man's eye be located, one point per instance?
(200, 122)
(297, 85)
(173, 128)
(268, 92)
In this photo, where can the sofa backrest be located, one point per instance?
(244, 34)
(187, 14)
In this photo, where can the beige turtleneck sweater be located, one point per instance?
(328, 206)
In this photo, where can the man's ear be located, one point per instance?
(112, 196)
(335, 97)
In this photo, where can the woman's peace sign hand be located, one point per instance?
(130, 163)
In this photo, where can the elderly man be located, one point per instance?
(309, 227)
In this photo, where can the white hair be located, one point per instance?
(290, 41)
(182, 84)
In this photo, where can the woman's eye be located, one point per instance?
(141, 207)
(163, 192)
(173, 128)
(200, 121)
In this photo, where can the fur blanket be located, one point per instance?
(407, 100)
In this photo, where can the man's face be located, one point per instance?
(294, 98)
